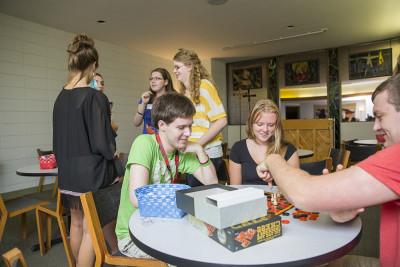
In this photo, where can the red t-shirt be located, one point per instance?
(385, 167)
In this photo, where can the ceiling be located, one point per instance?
(160, 27)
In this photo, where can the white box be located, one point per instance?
(222, 207)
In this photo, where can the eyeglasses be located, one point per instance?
(156, 78)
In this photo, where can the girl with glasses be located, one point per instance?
(160, 84)
(210, 117)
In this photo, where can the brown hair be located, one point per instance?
(392, 85)
(169, 88)
(81, 55)
(277, 145)
(171, 106)
(189, 57)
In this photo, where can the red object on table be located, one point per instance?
(47, 161)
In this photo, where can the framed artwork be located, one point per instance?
(370, 64)
(302, 72)
(246, 84)
(247, 78)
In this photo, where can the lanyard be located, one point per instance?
(164, 155)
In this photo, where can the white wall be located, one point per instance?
(218, 69)
(357, 130)
(32, 72)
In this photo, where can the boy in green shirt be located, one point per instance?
(154, 158)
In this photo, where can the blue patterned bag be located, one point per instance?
(158, 200)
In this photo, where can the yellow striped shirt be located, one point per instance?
(208, 110)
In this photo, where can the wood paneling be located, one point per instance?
(316, 135)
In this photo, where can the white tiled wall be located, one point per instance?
(32, 72)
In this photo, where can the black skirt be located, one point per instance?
(106, 200)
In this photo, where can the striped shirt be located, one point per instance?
(210, 109)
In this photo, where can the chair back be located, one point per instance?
(316, 167)
(94, 227)
(225, 166)
(360, 152)
(339, 156)
(14, 257)
(99, 244)
(43, 152)
(3, 209)
(346, 158)
(225, 150)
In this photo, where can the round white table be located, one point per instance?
(366, 142)
(307, 243)
(305, 153)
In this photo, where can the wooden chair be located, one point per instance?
(225, 150)
(316, 167)
(15, 207)
(99, 244)
(14, 257)
(339, 156)
(54, 210)
(226, 170)
(41, 179)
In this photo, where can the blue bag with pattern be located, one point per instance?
(158, 200)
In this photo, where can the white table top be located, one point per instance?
(308, 243)
(366, 142)
(34, 170)
(305, 153)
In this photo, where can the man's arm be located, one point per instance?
(139, 176)
(351, 188)
(294, 160)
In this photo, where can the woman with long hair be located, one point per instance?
(160, 84)
(210, 117)
(264, 137)
(84, 145)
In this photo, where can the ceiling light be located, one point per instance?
(255, 43)
(290, 27)
(101, 21)
(216, 2)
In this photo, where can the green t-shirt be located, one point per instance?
(146, 152)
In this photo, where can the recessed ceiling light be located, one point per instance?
(290, 27)
(101, 21)
(216, 2)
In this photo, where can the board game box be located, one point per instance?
(242, 235)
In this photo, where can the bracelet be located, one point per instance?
(141, 114)
(205, 162)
